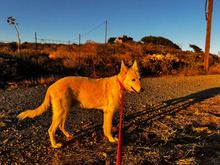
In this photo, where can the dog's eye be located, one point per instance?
(133, 80)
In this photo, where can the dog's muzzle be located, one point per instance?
(142, 90)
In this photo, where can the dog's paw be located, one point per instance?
(112, 140)
(58, 145)
(116, 139)
(70, 137)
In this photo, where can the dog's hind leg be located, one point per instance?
(56, 121)
(62, 127)
(65, 106)
(52, 131)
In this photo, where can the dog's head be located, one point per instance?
(130, 78)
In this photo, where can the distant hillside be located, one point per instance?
(98, 60)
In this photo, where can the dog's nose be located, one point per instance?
(142, 89)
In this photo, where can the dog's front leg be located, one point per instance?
(107, 125)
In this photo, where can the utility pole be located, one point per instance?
(106, 31)
(79, 38)
(208, 34)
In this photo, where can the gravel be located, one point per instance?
(28, 142)
(158, 90)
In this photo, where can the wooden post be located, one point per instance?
(208, 35)
(106, 31)
(36, 42)
(79, 48)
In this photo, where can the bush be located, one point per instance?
(99, 60)
(159, 41)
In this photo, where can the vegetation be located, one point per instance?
(111, 40)
(124, 39)
(195, 48)
(159, 41)
(98, 60)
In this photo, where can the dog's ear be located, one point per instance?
(124, 68)
(135, 66)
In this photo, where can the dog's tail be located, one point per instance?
(42, 108)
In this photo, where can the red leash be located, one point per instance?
(120, 126)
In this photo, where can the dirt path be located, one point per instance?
(175, 121)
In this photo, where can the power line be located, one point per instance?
(90, 31)
(93, 29)
(41, 40)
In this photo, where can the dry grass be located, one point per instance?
(97, 60)
(215, 69)
(33, 83)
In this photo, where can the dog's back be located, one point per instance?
(90, 93)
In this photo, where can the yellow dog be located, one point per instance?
(104, 94)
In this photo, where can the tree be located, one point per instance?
(111, 40)
(195, 48)
(159, 41)
(12, 22)
(124, 39)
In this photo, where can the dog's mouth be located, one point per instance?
(136, 91)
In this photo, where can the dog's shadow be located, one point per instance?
(149, 114)
(169, 107)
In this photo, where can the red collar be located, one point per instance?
(121, 85)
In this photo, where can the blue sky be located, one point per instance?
(181, 21)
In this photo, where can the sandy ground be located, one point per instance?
(175, 121)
